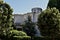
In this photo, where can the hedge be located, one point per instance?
(21, 38)
(31, 38)
(45, 38)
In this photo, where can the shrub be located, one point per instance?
(12, 33)
(33, 38)
(16, 33)
(45, 38)
(40, 38)
(29, 27)
(21, 38)
(48, 22)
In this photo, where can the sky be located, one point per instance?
(24, 6)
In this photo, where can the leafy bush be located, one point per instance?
(54, 3)
(38, 38)
(11, 33)
(21, 38)
(5, 18)
(45, 38)
(29, 27)
(48, 22)
(16, 33)
(33, 38)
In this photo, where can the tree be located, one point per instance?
(48, 22)
(54, 3)
(5, 17)
(29, 27)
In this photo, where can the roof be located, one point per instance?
(22, 14)
(37, 8)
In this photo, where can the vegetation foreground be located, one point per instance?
(48, 23)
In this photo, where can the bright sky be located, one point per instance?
(24, 6)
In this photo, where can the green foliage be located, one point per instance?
(16, 33)
(5, 15)
(41, 38)
(48, 22)
(54, 3)
(21, 38)
(45, 38)
(29, 27)
(11, 34)
(5, 18)
(33, 38)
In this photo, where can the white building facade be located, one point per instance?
(20, 18)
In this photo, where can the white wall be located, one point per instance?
(18, 18)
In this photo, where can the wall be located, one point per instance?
(18, 18)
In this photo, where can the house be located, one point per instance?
(20, 18)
